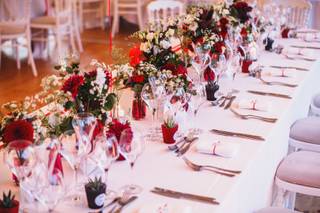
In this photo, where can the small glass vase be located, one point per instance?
(138, 108)
(211, 89)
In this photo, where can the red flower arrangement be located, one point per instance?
(219, 47)
(285, 32)
(136, 56)
(244, 32)
(72, 85)
(243, 10)
(18, 130)
(115, 127)
(176, 70)
(93, 74)
(223, 22)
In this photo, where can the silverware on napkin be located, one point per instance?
(276, 83)
(257, 117)
(185, 148)
(289, 67)
(237, 134)
(182, 195)
(218, 170)
(269, 94)
(306, 47)
(123, 203)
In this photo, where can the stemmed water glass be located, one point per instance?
(200, 61)
(196, 102)
(20, 157)
(131, 145)
(51, 187)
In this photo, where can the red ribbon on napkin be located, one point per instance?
(58, 163)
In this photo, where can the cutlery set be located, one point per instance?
(237, 135)
(289, 67)
(257, 117)
(215, 169)
(269, 94)
(183, 195)
(186, 144)
(277, 83)
(222, 101)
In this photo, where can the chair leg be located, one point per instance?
(291, 200)
(280, 197)
(102, 15)
(16, 49)
(115, 24)
(30, 55)
(59, 41)
(140, 20)
(0, 50)
(73, 45)
(81, 16)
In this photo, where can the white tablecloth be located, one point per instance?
(258, 160)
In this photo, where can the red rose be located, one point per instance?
(18, 130)
(241, 5)
(72, 85)
(199, 40)
(136, 56)
(219, 47)
(209, 74)
(244, 32)
(137, 79)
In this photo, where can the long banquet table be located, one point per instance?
(258, 160)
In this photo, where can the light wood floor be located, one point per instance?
(16, 84)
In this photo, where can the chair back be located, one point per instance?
(160, 12)
(63, 11)
(15, 14)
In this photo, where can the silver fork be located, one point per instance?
(270, 120)
(220, 171)
(277, 83)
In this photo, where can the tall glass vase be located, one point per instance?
(138, 108)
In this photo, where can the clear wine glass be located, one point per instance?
(52, 188)
(196, 102)
(131, 145)
(75, 152)
(21, 159)
(200, 61)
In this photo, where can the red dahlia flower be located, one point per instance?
(72, 85)
(18, 130)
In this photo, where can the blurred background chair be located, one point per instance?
(91, 10)
(162, 10)
(16, 26)
(58, 22)
(126, 7)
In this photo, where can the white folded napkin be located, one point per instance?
(165, 208)
(218, 148)
(252, 104)
(298, 51)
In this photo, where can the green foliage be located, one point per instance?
(96, 184)
(111, 100)
(7, 200)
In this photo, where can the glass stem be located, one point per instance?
(106, 171)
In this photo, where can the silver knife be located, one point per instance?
(180, 195)
(237, 134)
(286, 67)
(269, 94)
(230, 102)
(306, 47)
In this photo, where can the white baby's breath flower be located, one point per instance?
(150, 36)
(145, 47)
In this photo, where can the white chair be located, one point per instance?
(305, 134)
(91, 8)
(315, 106)
(17, 26)
(59, 23)
(160, 12)
(126, 7)
(299, 172)
(75, 25)
(299, 13)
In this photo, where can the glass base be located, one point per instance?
(131, 189)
